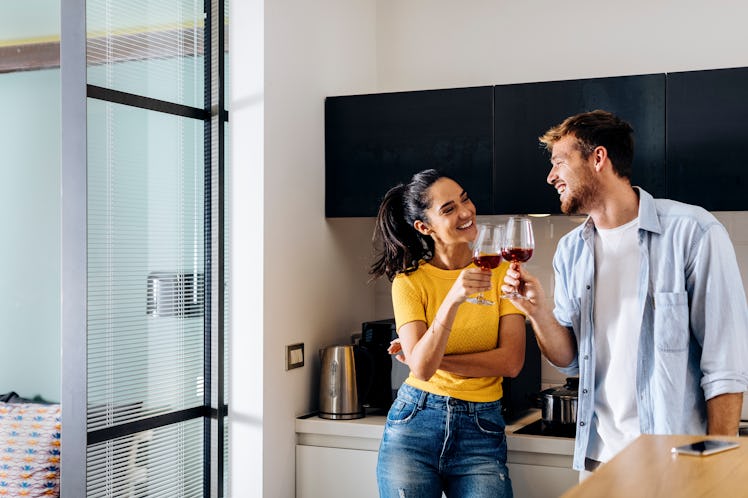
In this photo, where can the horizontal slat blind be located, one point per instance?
(161, 462)
(145, 225)
(146, 264)
(132, 44)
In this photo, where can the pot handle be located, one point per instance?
(572, 383)
(538, 399)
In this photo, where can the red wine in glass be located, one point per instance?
(487, 261)
(487, 254)
(518, 245)
(517, 254)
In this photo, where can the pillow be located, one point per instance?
(29, 449)
(12, 397)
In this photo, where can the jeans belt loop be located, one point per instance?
(422, 400)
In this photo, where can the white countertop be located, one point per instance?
(365, 434)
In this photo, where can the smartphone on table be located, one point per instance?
(705, 447)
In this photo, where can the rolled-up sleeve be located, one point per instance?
(564, 309)
(719, 313)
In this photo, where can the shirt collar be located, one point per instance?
(648, 219)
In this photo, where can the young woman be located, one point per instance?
(444, 432)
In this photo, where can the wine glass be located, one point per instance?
(518, 245)
(487, 254)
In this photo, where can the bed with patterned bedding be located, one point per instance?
(29, 447)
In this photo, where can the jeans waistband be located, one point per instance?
(426, 399)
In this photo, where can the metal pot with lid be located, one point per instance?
(559, 404)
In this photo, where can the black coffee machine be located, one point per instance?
(374, 365)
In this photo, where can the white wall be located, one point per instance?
(298, 277)
(29, 217)
(310, 289)
(30, 20)
(442, 44)
(29, 210)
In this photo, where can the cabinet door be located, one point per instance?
(707, 138)
(538, 481)
(524, 112)
(373, 142)
(323, 472)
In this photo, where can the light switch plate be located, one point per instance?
(294, 356)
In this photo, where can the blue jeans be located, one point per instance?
(434, 444)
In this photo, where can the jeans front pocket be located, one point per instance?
(401, 412)
(490, 422)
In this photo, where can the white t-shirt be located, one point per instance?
(617, 327)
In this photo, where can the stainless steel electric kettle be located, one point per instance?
(338, 393)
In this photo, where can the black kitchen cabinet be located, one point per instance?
(707, 138)
(523, 112)
(373, 142)
(690, 129)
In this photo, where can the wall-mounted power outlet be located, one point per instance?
(294, 356)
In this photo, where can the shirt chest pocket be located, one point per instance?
(671, 322)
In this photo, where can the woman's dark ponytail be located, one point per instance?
(402, 247)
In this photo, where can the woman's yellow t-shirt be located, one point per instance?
(418, 295)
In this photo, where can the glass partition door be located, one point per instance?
(152, 226)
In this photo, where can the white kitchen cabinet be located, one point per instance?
(335, 473)
(338, 459)
(540, 466)
(539, 481)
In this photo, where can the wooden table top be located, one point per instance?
(648, 469)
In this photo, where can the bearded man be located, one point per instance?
(649, 306)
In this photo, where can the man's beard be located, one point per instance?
(582, 197)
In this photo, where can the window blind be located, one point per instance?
(146, 251)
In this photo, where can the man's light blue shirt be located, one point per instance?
(694, 318)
